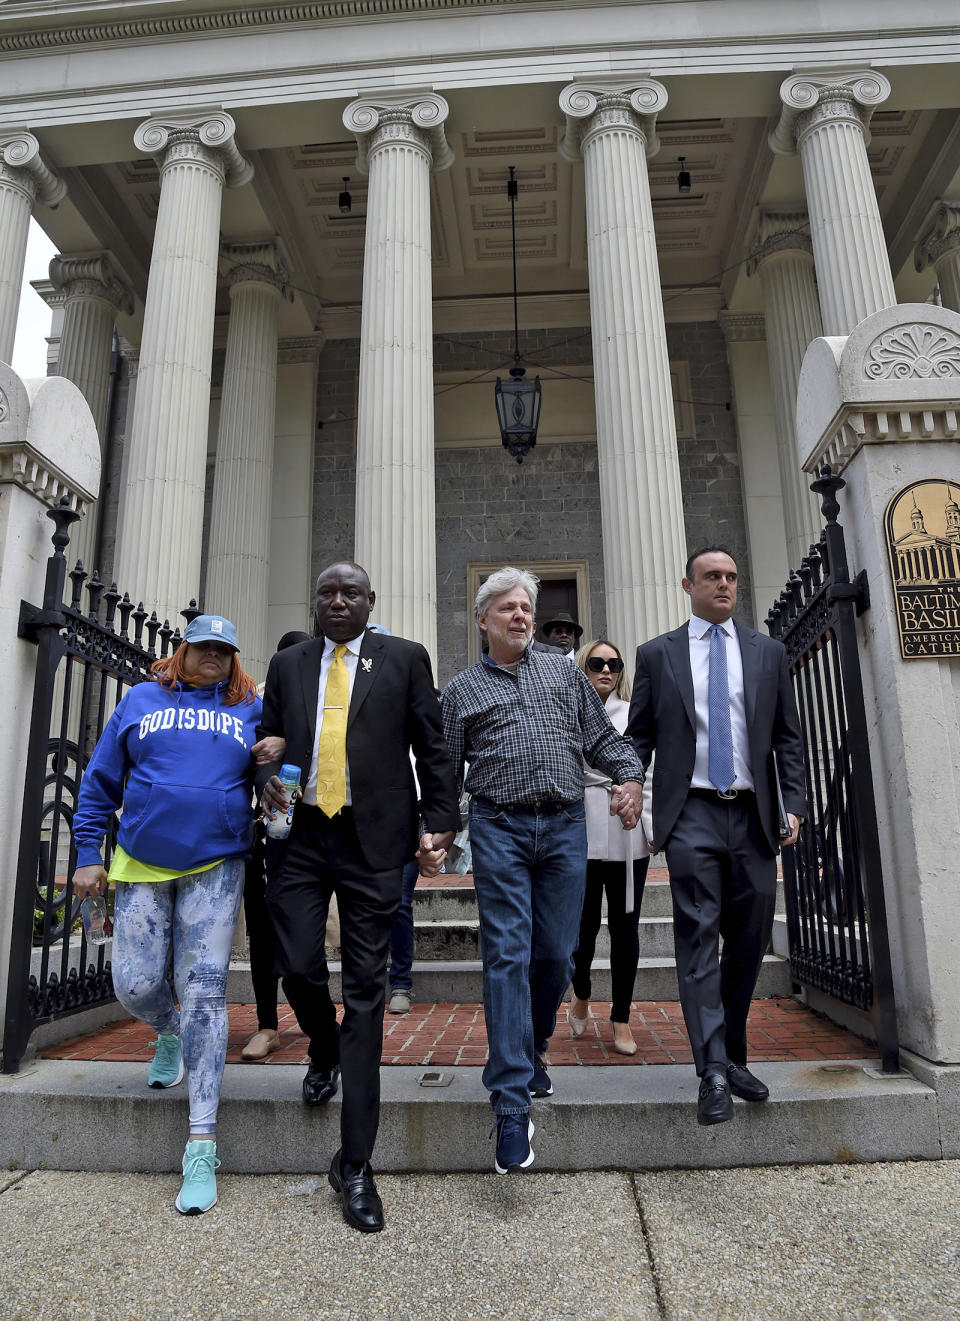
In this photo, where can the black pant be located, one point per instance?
(623, 928)
(260, 934)
(324, 857)
(723, 879)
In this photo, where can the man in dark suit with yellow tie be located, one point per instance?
(351, 705)
(714, 699)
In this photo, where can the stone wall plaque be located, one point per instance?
(922, 527)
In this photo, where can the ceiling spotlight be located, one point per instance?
(344, 201)
(683, 178)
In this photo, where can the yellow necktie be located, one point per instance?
(332, 742)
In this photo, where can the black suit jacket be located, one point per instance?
(662, 718)
(393, 708)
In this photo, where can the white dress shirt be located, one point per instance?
(700, 669)
(350, 659)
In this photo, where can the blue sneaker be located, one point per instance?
(167, 1067)
(540, 1084)
(514, 1151)
(199, 1190)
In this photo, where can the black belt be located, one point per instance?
(344, 814)
(538, 805)
(719, 796)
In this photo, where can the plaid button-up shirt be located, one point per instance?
(526, 738)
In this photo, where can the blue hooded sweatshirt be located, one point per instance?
(179, 762)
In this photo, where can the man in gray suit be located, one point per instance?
(714, 699)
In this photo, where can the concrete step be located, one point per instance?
(460, 939)
(460, 981)
(72, 1114)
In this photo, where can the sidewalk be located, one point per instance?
(871, 1242)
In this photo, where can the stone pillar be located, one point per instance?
(238, 557)
(93, 293)
(400, 140)
(826, 118)
(159, 540)
(644, 545)
(784, 261)
(882, 407)
(940, 245)
(48, 449)
(745, 335)
(24, 181)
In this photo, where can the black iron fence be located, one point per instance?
(89, 652)
(833, 882)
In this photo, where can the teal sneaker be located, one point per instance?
(167, 1067)
(199, 1190)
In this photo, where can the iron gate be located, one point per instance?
(86, 659)
(833, 881)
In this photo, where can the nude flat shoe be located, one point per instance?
(261, 1044)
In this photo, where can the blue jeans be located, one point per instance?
(401, 932)
(528, 871)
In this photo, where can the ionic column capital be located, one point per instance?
(415, 117)
(206, 136)
(821, 96)
(22, 166)
(778, 233)
(940, 234)
(602, 106)
(255, 263)
(92, 276)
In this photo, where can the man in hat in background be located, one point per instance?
(561, 630)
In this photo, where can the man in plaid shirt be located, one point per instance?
(525, 721)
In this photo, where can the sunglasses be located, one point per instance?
(597, 664)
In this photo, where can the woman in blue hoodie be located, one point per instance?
(176, 757)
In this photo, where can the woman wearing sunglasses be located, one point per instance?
(617, 861)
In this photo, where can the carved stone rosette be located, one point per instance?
(826, 118)
(939, 245)
(613, 125)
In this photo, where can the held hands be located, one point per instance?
(432, 851)
(90, 880)
(270, 748)
(626, 802)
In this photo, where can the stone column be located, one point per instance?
(784, 262)
(238, 558)
(159, 540)
(644, 546)
(400, 140)
(940, 245)
(24, 181)
(826, 118)
(93, 293)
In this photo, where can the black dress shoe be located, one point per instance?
(320, 1084)
(358, 1195)
(745, 1085)
(714, 1103)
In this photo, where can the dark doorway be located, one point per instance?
(556, 594)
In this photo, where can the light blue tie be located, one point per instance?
(720, 735)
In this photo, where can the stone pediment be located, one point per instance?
(895, 377)
(48, 439)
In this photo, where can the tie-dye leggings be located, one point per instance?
(195, 914)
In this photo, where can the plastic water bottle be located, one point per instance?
(96, 924)
(279, 827)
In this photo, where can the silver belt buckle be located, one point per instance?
(727, 794)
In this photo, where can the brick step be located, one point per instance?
(461, 979)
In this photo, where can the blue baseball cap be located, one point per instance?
(211, 628)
